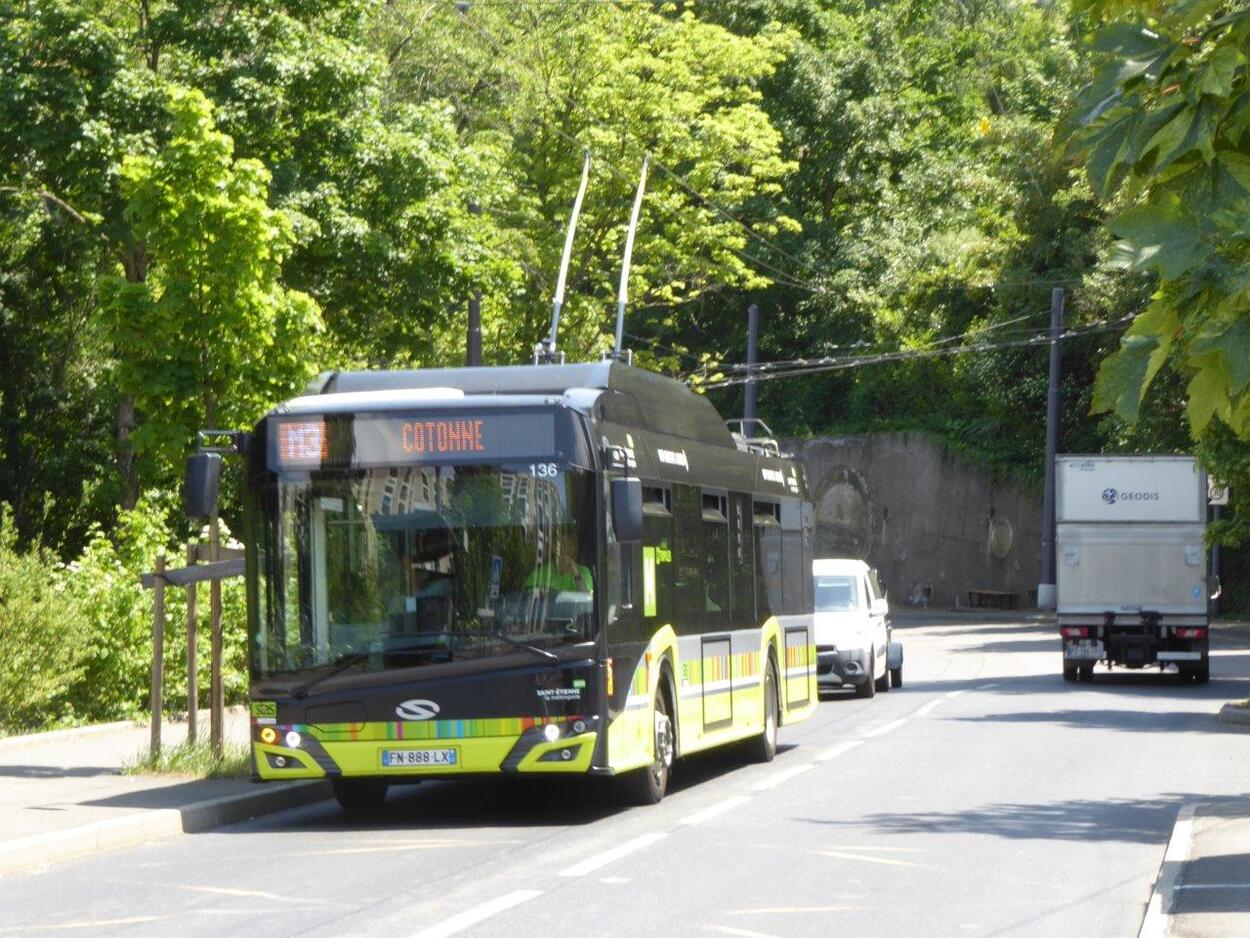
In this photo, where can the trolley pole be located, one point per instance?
(1046, 590)
(750, 409)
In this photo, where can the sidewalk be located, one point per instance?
(62, 795)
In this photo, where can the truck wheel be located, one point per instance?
(362, 797)
(1087, 673)
(1069, 672)
(1202, 673)
(868, 687)
(648, 785)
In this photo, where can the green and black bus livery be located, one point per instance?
(563, 568)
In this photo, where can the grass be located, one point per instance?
(195, 760)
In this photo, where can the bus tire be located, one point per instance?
(763, 747)
(647, 785)
(359, 796)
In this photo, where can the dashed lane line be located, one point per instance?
(783, 776)
(590, 864)
(715, 810)
(882, 730)
(929, 707)
(838, 750)
(458, 923)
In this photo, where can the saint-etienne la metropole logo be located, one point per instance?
(1109, 496)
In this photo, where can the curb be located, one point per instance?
(1235, 714)
(1157, 921)
(131, 829)
(74, 732)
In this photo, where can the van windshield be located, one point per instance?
(836, 594)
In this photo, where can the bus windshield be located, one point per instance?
(371, 570)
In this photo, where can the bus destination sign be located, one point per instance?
(367, 440)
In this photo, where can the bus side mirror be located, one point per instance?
(199, 486)
(627, 510)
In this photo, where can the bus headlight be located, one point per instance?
(551, 732)
(293, 739)
(268, 735)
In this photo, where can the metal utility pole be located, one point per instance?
(473, 356)
(1046, 591)
(750, 408)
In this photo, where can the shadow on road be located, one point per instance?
(1131, 721)
(1132, 820)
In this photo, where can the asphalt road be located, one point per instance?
(986, 797)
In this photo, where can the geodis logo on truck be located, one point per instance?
(1112, 495)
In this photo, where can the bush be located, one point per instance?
(42, 648)
(105, 591)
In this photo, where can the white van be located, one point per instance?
(853, 634)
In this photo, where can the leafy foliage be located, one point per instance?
(1164, 129)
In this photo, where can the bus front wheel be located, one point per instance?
(359, 796)
(648, 785)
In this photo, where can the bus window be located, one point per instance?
(716, 604)
(688, 559)
(657, 555)
(742, 562)
(793, 589)
(767, 524)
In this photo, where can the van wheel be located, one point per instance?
(883, 682)
(648, 785)
(896, 676)
(1069, 672)
(763, 747)
(868, 687)
(1087, 673)
(362, 797)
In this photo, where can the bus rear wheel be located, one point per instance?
(359, 796)
(648, 785)
(763, 747)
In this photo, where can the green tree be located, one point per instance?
(210, 336)
(1165, 137)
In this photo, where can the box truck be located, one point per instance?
(1131, 565)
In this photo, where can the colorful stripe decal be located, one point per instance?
(425, 729)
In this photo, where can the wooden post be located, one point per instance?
(158, 654)
(217, 714)
(193, 687)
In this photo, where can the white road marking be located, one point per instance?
(929, 707)
(103, 923)
(1213, 886)
(783, 776)
(838, 750)
(956, 693)
(801, 909)
(715, 810)
(882, 730)
(458, 923)
(1158, 910)
(839, 855)
(988, 686)
(743, 932)
(591, 864)
(247, 893)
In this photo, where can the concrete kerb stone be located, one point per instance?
(129, 830)
(76, 732)
(1235, 713)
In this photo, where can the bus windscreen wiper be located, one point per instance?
(526, 646)
(346, 661)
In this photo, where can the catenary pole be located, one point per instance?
(473, 356)
(1046, 590)
(751, 405)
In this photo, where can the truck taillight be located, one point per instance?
(1074, 631)
(1191, 633)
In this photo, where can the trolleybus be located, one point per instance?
(571, 569)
